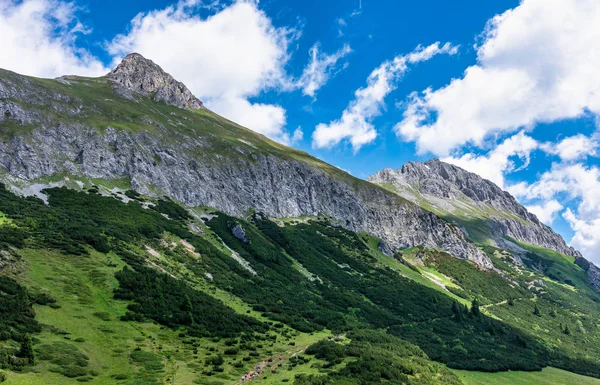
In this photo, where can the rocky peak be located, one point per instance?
(136, 74)
(455, 192)
(444, 180)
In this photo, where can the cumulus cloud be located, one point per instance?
(225, 59)
(579, 186)
(497, 162)
(320, 68)
(355, 124)
(534, 65)
(547, 211)
(38, 39)
(574, 147)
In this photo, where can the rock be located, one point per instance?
(239, 233)
(456, 192)
(142, 76)
(593, 274)
(202, 166)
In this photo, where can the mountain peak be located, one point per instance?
(471, 200)
(136, 74)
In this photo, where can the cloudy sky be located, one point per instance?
(507, 89)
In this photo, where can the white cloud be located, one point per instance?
(496, 163)
(574, 147)
(270, 118)
(355, 123)
(321, 67)
(297, 136)
(536, 64)
(341, 24)
(38, 39)
(579, 186)
(547, 211)
(225, 59)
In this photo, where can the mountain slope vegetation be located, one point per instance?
(84, 267)
(144, 243)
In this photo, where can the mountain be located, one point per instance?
(136, 74)
(146, 240)
(486, 213)
(85, 128)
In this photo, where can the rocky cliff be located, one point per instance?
(469, 199)
(139, 75)
(125, 125)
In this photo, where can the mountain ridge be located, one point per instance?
(498, 209)
(171, 245)
(197, 158)
(137, 74)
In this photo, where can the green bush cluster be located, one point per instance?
(375, 357)
(173, 303)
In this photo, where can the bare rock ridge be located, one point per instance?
(140, 75)
(459, 193)
(198, 161)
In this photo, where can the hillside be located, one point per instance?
(146, 240)
(85, 127)
(485, 212)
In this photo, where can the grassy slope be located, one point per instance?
(420, 274)
(548, 376)
(83, 287)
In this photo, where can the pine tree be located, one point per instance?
(536, 310)
(511, 302)
(186, 306)
(553, 313)
(475, 307)
(26, 350)
(457, 311)
(567, 331)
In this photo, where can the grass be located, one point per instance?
(86, 324)
(405, 271)
(559, 267)
(548, 376)
(4, 220)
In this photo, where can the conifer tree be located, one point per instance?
(26, 350)
(475, 307)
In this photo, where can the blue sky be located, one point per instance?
(507, 89)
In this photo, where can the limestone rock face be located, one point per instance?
(454, 192)
(239, 233)
(140, 75)
(197, 159)
(593, 272)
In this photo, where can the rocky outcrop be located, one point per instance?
(266, 183)
(462, 194)
(239, 233)
(139, 75)
(593, 272)
(202, 166)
